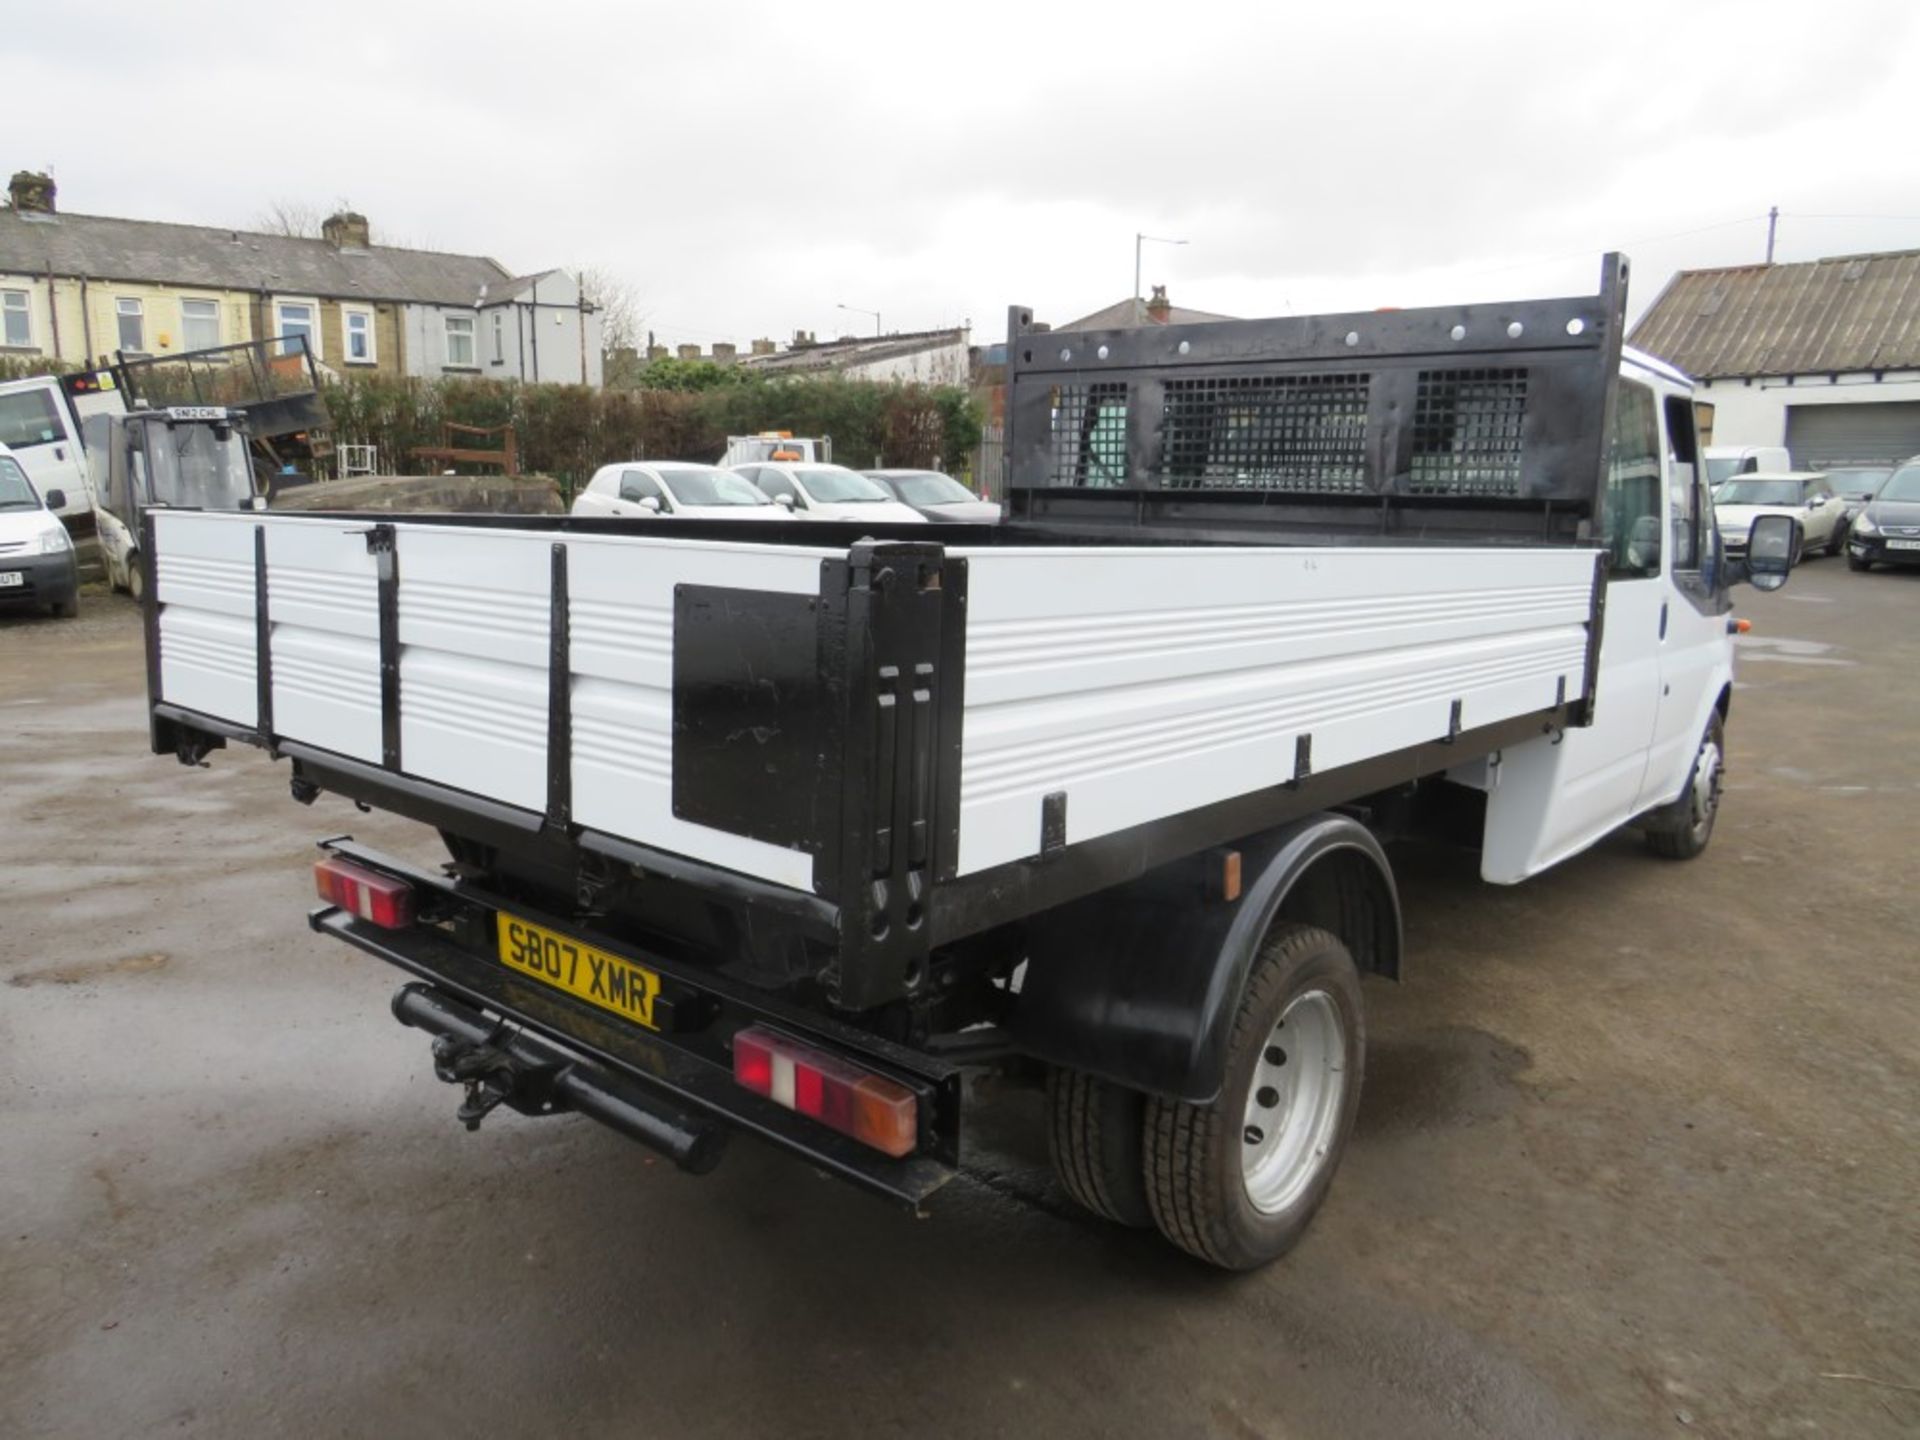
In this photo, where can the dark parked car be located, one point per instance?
(1887, 531)
(934, 495)
(1857, 484)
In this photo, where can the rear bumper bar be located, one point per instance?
(672, 1091)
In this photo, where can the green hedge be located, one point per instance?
(569, 431)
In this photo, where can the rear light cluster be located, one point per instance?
(367, 893)
(872, 1109)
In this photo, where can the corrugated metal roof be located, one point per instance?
(1846, 312)
(103, 247)
(854, 350)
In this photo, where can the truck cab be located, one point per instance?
(41, 419)
(189, 456)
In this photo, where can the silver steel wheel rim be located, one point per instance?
(1293, 1103)
(1706, 786)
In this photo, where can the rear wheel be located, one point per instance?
(1837, 542)
(1681, 830)
(1093, 1137)
(1235, 1182)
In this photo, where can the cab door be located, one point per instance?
(1557, 795)
(1695, 655)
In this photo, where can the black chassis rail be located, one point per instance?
(686, 1065)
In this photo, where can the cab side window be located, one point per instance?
(775, 485)
(1685, 486)
(1631, 505)
(636, 487)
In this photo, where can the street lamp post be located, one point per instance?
(1138, 240)
(859, 311)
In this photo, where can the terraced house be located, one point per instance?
(78, 288)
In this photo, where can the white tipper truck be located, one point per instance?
(786, 829)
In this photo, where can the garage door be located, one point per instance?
(1823, 434)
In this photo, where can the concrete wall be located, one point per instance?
(540, 337)
(1755, 412)
(947, 365)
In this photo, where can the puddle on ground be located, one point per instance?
(1789, 652)
(79, 972)
(1451, 1076)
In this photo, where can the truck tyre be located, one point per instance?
(1093, 1138)
(1681, 830)
(1235, 1182)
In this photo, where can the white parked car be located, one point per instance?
(936, 496)
(37, 564)
(1804, 496)
(673, 489)
(1729, 462)
(828, 492)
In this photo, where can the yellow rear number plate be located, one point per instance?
(600, 979)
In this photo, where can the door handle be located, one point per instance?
(1663, 619)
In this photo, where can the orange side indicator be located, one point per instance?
(1739, 627)
(1230, 875)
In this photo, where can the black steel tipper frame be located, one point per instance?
(1470, 421)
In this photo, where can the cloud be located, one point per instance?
(749, 166)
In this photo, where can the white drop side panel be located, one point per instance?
(323, 597)
(1148, 682)
(620, 607)
(203, 583)
(474, 618)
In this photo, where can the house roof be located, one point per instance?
(856, 350)
(1131, 313)
(1846, 312)
(501, 291)
(103, 247)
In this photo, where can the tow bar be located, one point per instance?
(500, 1065)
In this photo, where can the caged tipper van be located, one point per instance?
(783, 830)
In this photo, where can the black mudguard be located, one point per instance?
(1139, 984)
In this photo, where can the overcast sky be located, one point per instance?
(746, 167)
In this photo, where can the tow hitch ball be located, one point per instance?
(491, 1077)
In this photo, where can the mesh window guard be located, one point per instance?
(1301, 433)
(1467, 428)
(1089, 438)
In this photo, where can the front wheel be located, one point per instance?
(1681, 830)
(1235, 1182)
(1858, 563)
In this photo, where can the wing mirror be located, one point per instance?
(1770, 546)
(785, 502)
(650, 504)
(56, 499)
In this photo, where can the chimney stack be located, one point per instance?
(32, 194)
(1159, 308)
(724, 353)
(689, 352)
(346, 230)
(763, 347)
(802, 339)
(656, 352)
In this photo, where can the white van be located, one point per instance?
(40, 420)
(1726, 461)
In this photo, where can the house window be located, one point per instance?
(358, 325)
(499, 337)
(199, 324)
(133, 325)
(460, 340)
(297, 317)
(19, 323)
